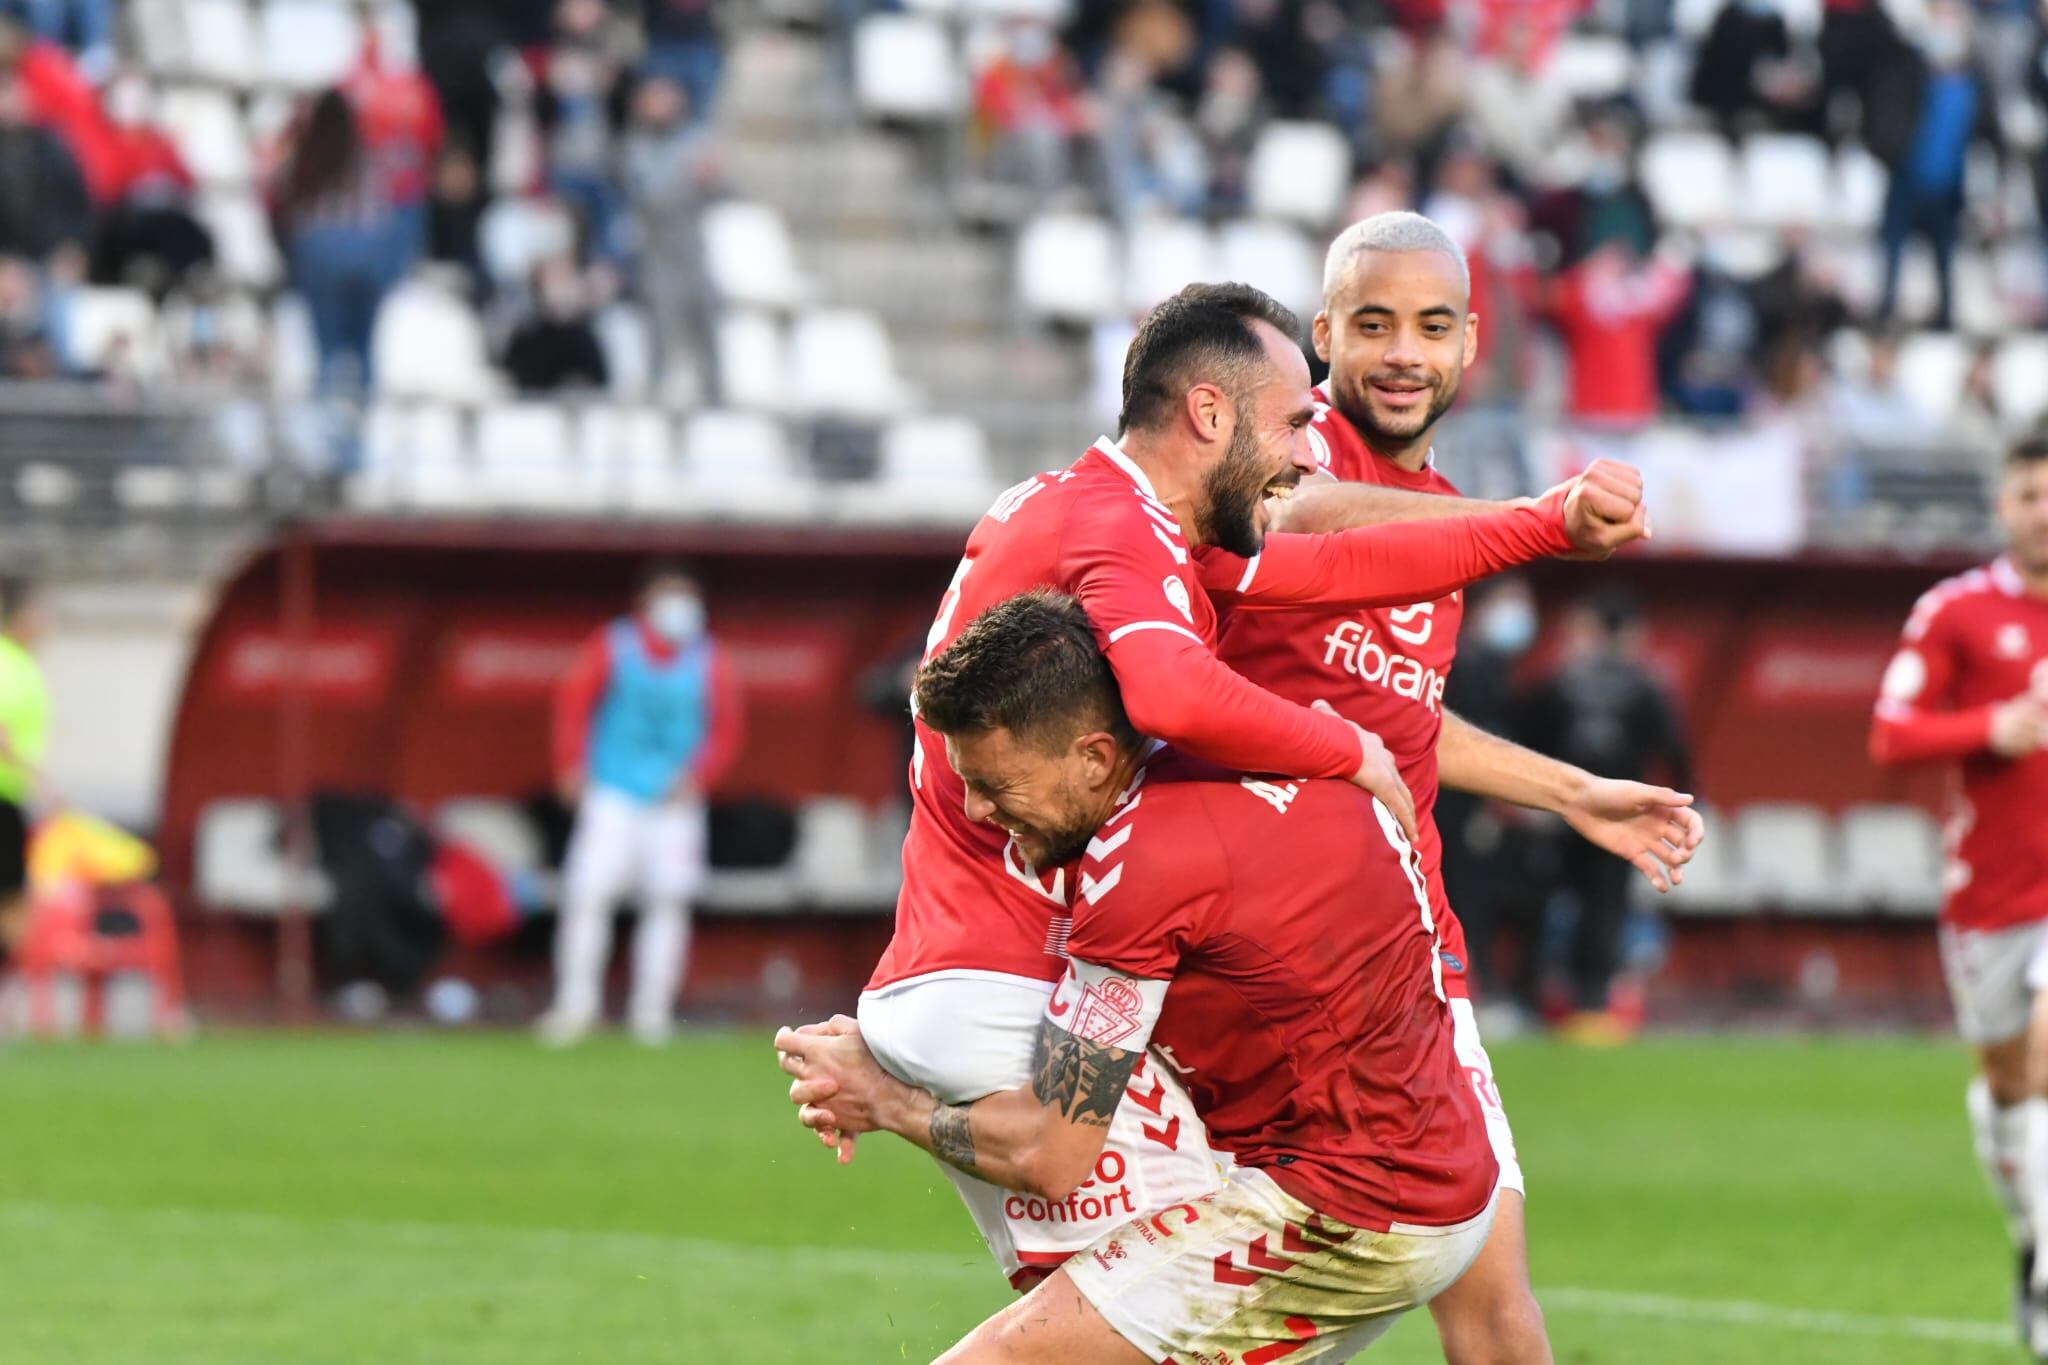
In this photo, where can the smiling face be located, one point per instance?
(1398, 334)
(1268, 451)
(1049, 800)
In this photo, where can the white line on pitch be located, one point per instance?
(1736, 1312)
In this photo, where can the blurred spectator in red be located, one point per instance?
(1610, 309)
(148, 237)
(26, 351)
(683, 44)
(1951, 108)
(1028, 109)
(399, 116)
(1746, 71)
(556, 347)
(1524, 31)
(43, 204)
(340, 237)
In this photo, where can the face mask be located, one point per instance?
(1509, 627)
(676, 618)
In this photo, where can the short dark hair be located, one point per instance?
(2028, 449)
(1203, 333)
(1029, 665)
(657, 570)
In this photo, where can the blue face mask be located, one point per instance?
(1509, 627)
(676, 618)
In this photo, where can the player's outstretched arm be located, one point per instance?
(1322, 506)
(1042, 1139)
(1654, 829)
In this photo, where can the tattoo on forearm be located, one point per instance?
(952, 1138)
(1084, 1081)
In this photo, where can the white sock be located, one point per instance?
(660, 946)
(583, 941)
(2008, 1139)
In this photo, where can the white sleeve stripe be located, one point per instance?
(1136, 626)
(1251, 567)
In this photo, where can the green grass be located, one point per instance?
(256, 1200)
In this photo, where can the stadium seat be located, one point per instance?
(1066, 267)
(934, 467)
(153, 488)
(415, 455)
(1163, 254)
(751, 360)
(39, 484)
(1277, 257)
(841, 364)
(1591, 66)
(905, 67)
(1858, 192)
(750, 256)
(207, 130)
(1786, 855)
(219, 42)
(1689, 178)
(309, 44)
(113, 329)
(1786, 180)
(242, 240)
(526, 459)
(2019, 380)
(1891, 858)
(429, 344)
(1300, 172)
(831, 860)
(495, 828)
(617, 440)
(517, 234)
(398, 32)
(627, 339)
(1932, 369)
(239, 862)
(739, 464)
(1980, 306)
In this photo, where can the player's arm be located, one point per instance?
(1322, 506)
(576, 698)
(727, 730)
(1916, 720)
(1654, 829)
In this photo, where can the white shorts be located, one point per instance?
(1479, 1068)
(1252, 1274)
(1992, 977)
(621, 847)
(966, 1034)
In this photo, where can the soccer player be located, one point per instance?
(1272, 942)
(1397, 333)
(1216, 407)
(647, 720)
(1969, 687)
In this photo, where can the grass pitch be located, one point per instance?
(471, 1200)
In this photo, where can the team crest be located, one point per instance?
(1177, 593)
(2011, 641)
(1109, 1012)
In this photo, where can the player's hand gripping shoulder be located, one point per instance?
(1043, 1139)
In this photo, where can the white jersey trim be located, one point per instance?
(1251, 569)
(1124, 462)
(1136, 626)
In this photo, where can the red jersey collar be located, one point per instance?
(1114, 453)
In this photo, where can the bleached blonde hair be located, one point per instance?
(1398, 230)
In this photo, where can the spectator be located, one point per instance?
(399, 116)
(1798, 301)
(683, 44)
(1706, 357)
(1028, 110)
(1604, 710)
(1420, 93)
(672, 168)
(455, 212)
(1516, 112)
(1861, 54)
(85, 27)
(1747, 72)
(1610, 310)
(2037, 87)
(463, 46)
(1152, 161)
(646, 723)
(1229, 118)
(340, 239)
(26, 351)
(1275, 36)
(1952, 108)
(579, 86)
(43, 205)
(556, 348)
(148, 237)
(24, 739)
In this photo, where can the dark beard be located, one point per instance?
(1231, 494)
(1358, 412)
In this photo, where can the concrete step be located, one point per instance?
(951, 281)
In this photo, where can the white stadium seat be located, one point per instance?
(1891, 858)
(618, 438)
(428, 343)
(208, 132)
(309, 44)
(627, 339)
(1786, 180)
(750, 255)
(242, 240)
(1276, 257)
(1300, 172)
(905, 67)
(219, 41)
(832, 863)
(1786, 855)
(929, 467)
(2019, 380)
(111, 328)
(1066, 267)
(527, 459)
(1860, 182)
(740, 463)
(1713, 882)
(239, 861)
(751, 360)
(515, 235)
(1591, 66)
(1163, 254)
(841, 364)
(1932, 369)
(1689, 178)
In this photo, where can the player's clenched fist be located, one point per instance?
(1603, 509)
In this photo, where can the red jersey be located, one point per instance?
(1974, 641)
(1383, 668)
(1279, 934)
(969, 902)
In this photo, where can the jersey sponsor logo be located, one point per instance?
(2011, 641)
(1104, 1194)
(1352, 648)
(1278, 795)
(1109, 1011)
(1177, 593)
(1401, 623)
